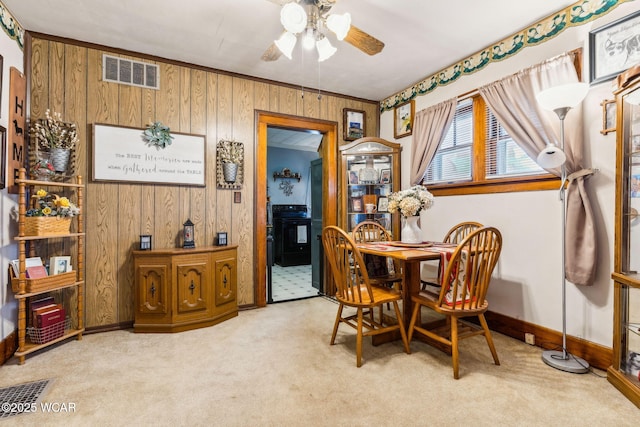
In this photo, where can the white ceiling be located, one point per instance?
(421, 37)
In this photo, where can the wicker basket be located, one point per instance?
(46, 225)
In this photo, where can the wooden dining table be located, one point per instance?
(410, 257)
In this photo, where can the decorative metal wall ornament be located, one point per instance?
(286, 187)
(577, 14)
(229, 153)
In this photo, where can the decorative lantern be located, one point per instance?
(187, 234)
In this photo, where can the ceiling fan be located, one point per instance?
(309, 18)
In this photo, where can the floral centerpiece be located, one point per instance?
(410, 202)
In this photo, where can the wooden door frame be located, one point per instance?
(329, 155)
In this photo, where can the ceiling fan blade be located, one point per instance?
(272, 53)
(363, 41)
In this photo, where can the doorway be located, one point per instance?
(328, 154)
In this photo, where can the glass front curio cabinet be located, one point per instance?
(625, 370)
(370, 173)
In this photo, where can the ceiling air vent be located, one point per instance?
(128, 72)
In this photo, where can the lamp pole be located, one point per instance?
(562, 360)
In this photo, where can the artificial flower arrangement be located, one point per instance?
(410, 202)
(158, 135)
(52, 132)
(52, 205)
(230, 151)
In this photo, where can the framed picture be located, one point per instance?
(353, 124)
(59, 264)
(403, 119)
(353, 177)
(3, 156)
(221, 238)
(145, 242)
(120, 154)
(635, 186)
(608, 116)
(383, 204)
(356, 204)
(613, 48)
(385, 176)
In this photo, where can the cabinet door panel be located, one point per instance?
(226, 274)
(152, 289)
(192, 286)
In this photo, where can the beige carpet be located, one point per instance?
(274, 367)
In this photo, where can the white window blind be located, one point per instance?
(452, 161)
(505, 158)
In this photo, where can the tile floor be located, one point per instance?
(290, 283)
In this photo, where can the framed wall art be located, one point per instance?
(608, 116)
(403, 116)
(353, 124)
(122, 154)
(356, 204)
(613, 48)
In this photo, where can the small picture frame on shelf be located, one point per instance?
(383, 204)
(385, 176)
(356, 204)
(221, 238)
(59, 264)
(145, 242)
(608, 116)
(403, 119)
(353, 124)
(353, 177)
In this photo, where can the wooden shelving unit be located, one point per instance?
(20, 284)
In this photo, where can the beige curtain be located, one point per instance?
(430, 129)
(512, 100)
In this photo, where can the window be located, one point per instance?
(477, 155)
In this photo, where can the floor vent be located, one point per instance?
(128, 72)
(21, 398)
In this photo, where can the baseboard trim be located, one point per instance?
(597, 355)
(108, 328)
(8, 347)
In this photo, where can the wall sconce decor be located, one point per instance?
(221, 238)
(145, 242)
(187, 233)
(230, 164)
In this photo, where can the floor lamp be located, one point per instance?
(561, 99)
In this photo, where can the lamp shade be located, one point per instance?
(293, 17)
(551, 157)
(309, 39)
(325, 49)
(285, 43)
(562, 96)
(339, 24)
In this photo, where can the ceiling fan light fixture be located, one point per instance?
(293, 17)
(325, 49)
(309, 39)
(286, 43)
(339, 24)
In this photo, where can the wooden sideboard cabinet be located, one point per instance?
(181, 289)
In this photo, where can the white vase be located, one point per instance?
(410, 232)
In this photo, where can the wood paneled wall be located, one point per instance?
(67, 78)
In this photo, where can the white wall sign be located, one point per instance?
(122, 154)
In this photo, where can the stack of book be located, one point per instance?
(47, 320)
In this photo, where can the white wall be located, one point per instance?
(527, 281)
(12, 57)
